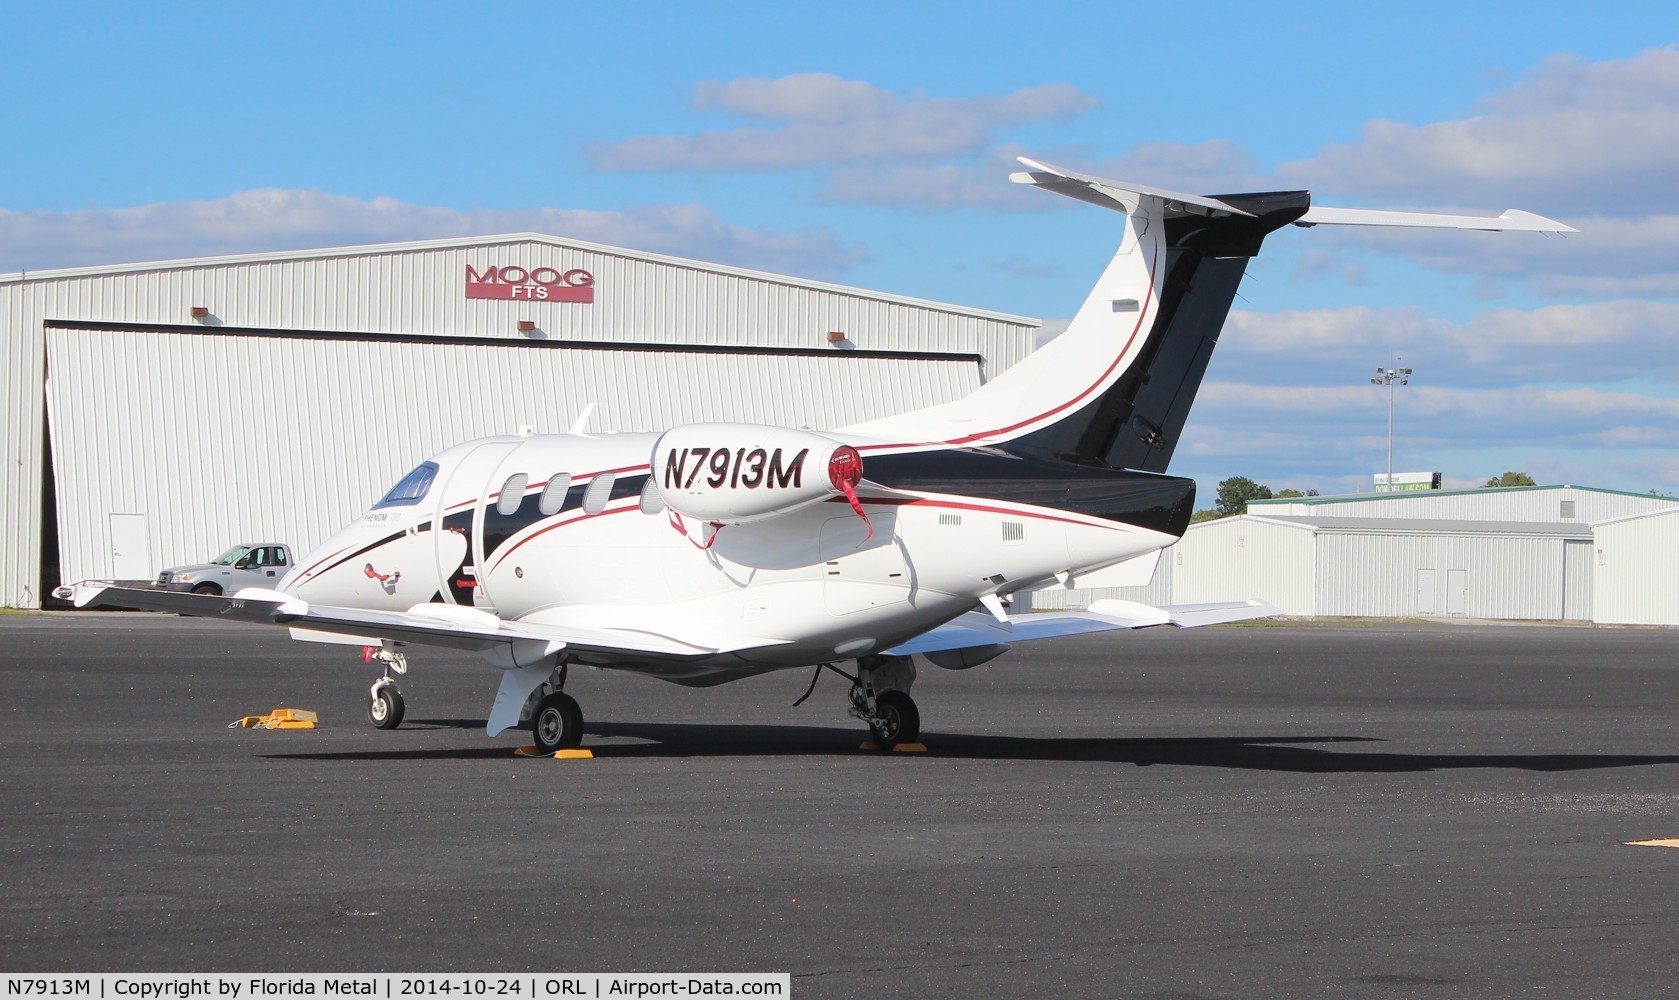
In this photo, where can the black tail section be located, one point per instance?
(1136, 423)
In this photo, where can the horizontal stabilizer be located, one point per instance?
(1512, 221)
(1121, 196)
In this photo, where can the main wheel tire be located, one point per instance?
(557, 723)
(385, 710)
(899, 721)
(208, 589)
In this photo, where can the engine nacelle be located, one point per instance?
(734, 473)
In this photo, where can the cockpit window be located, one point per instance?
(412, 489)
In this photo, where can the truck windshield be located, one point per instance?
(412, 489)
(231, 556)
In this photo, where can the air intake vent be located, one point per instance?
(1014, 531)
(950, 518)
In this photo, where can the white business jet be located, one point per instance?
(717, 551)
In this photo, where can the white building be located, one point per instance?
(1582, 504)
(157, 413)
(1390, 567)
(1636, 570)
(1538, 553)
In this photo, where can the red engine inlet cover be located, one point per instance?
(845, 469)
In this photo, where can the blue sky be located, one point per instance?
(869, 144)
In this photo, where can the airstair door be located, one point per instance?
(458, 521)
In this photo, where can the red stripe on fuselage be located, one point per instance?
(1142, 317)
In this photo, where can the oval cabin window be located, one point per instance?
(512, 493)
(554, 494)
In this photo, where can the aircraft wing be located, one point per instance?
(425, 624)
(977, 628)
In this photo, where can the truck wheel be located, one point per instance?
(208, 589)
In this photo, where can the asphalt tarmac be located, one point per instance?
(1385, 810)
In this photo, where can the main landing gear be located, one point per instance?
(384, 701)
(880, 697)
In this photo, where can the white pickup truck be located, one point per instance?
(251, 564)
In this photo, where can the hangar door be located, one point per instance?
(216, 438)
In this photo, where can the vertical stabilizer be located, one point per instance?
(1115, 388)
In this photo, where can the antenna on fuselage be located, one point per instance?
(582, 422)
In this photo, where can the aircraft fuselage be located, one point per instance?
(565, 530)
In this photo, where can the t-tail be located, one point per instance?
(1114, 389)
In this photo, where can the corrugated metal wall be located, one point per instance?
(1633, 571)
(1441, 576)
(1511, 504)
(1239, 558)
(22, 411)
(1158, 591)
(420, 289)
(636, 298)
(222, 438)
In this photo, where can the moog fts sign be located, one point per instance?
(534, 284)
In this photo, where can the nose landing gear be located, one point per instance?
(384, 701)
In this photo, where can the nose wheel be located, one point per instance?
(384, 701)
(384, 707)
(557, 723)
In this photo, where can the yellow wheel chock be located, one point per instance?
(578, 754)
(280, 718)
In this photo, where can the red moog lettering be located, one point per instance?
(529, 284)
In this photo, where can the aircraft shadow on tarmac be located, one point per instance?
(1305, 754)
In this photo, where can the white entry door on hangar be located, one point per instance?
(131, 557)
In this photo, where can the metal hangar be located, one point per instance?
(1534, 553)
(156, 413)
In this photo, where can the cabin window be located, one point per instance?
(512, 494)
(412, 489)
(598, 493)
(553, 495)
(652, 501)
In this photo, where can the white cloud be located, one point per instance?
(822, 120)
(982, 181)
(1600, 341)
(276, 219)
(1570, 137)
(1448, 417)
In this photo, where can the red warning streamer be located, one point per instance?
(845, 471)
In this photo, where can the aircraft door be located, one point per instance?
(455, 522)
(500, 510)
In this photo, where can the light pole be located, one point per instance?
(1387, 377)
